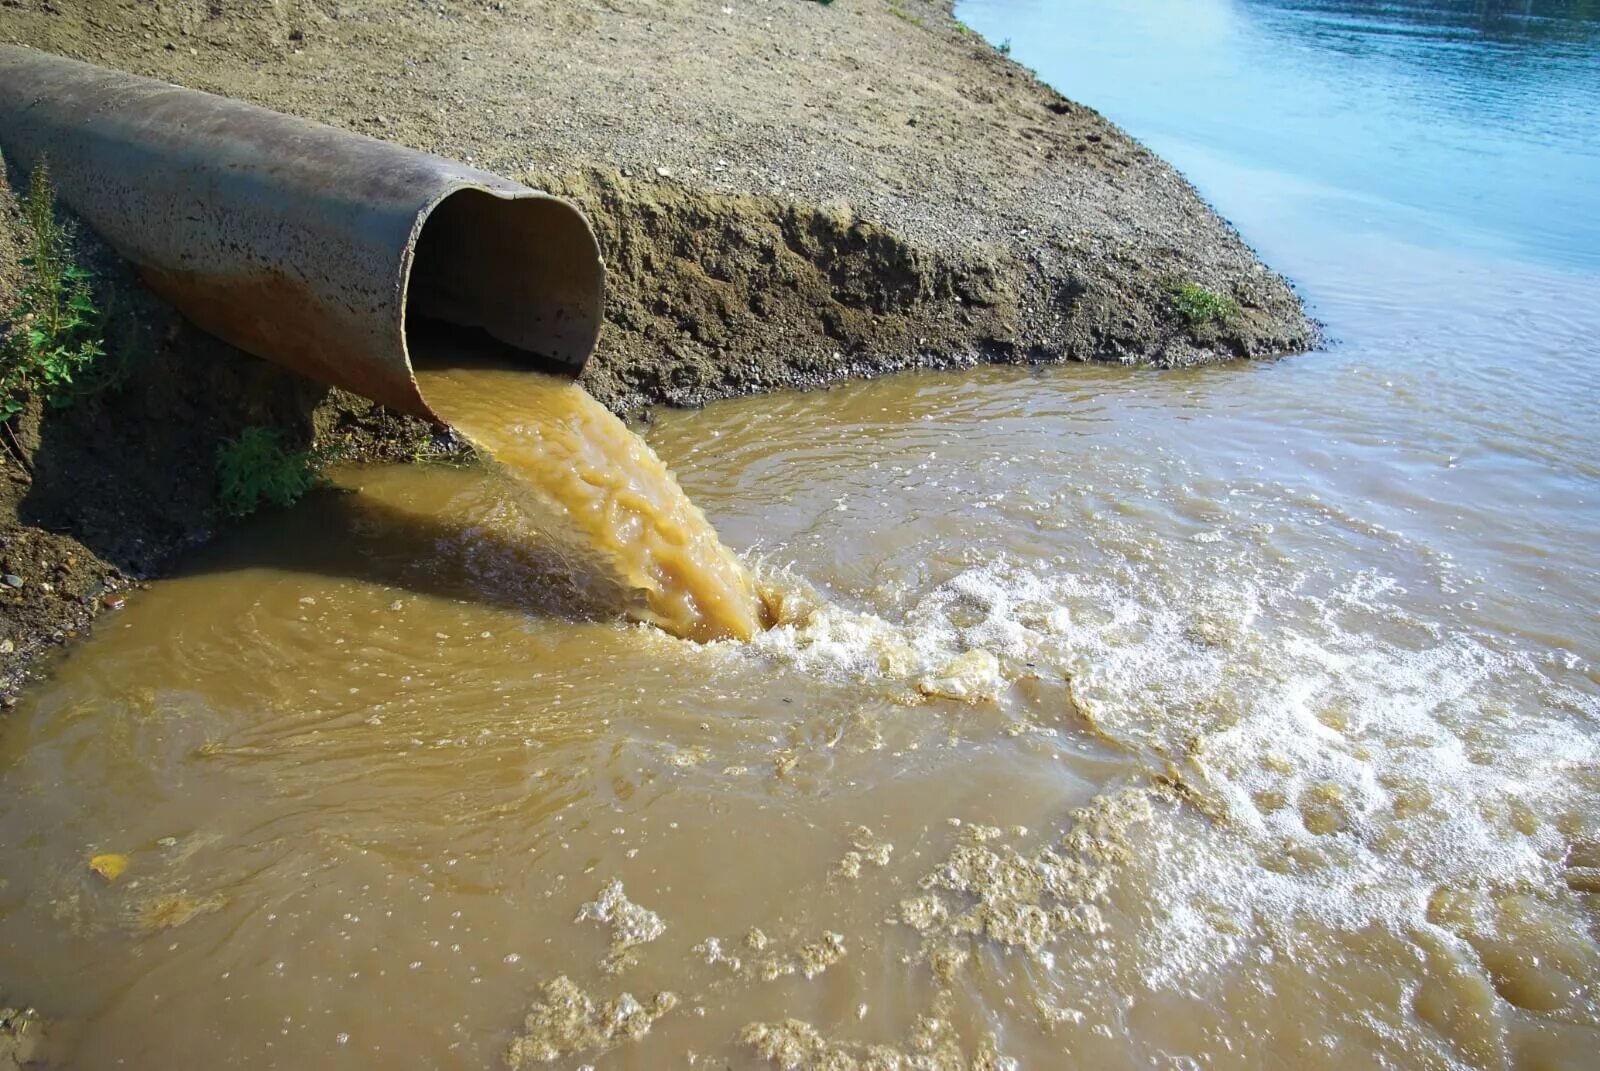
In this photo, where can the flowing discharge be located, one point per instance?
(608, 491)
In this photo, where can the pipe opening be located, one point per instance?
(499, 278)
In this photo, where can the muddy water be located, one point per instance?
(1238, 717)
(1087, 734)
(596, 490)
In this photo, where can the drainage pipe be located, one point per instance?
(315, 248)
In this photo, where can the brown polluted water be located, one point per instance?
(604, 492)
(1072, 745)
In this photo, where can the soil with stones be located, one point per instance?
(787, 193)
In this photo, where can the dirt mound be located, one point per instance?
(714, 294)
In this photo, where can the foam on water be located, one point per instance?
(1342, 763)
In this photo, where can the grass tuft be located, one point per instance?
(898, 11)
(255, 470)
(55, 344)
(1199, 306)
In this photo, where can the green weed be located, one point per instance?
(55, 345)
(901, 13)
(1005, 47)
(255, 470)
(1199, 306)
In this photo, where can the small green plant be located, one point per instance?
(54, 341)
(1199, 306)
(255, 470)
(899, 12)
(1005, 47)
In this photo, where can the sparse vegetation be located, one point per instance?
(1005, 47)
(897, 9)
(256, 470)
(54, 345)
(1199, 306)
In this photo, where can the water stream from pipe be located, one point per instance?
(603, 494)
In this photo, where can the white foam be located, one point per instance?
(1355, 757)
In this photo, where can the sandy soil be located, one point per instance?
(787, 193)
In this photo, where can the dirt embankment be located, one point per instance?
(787, 193)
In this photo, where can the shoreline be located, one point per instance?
(787, 195)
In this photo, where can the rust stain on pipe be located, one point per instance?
(312, 247)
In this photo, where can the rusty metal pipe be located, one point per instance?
(312, 247)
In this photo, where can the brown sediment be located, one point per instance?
(631, 925)
(166, 911)
(865, 849)
(990, 890)
(932, 1046)
(23, 1038)
(567, 1021)
(762, 961)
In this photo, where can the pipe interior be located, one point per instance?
(495, 278)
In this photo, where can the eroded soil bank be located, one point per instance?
(788, 194)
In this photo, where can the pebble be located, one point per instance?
(12, 580)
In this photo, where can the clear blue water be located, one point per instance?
(1451, 123)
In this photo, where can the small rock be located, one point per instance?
(664, 172)
(12, 580)
(7, 646)
(113, 602)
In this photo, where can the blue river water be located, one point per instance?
(1451, 123)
